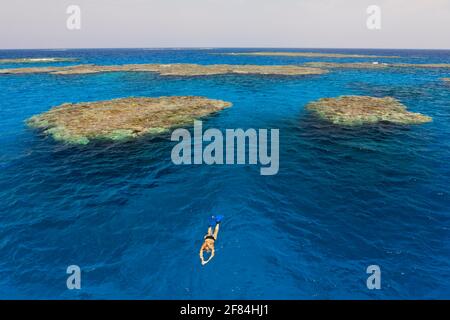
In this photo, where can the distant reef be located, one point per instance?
(374, 65)
(180, 69)
(347, 65)
(306, 54)
(122, 119)
(185, 69)
(360, 110)
(36, 60)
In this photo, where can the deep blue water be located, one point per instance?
(343, 199)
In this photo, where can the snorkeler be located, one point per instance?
(210, 238)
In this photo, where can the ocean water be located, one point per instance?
(344, 198)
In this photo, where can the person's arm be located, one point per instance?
(202, 259)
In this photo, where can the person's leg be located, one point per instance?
(210, 231)
(216, 231)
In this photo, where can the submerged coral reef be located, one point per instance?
(180, 69)
(359, 110)
(124, 118)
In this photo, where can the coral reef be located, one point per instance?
(359, 110)
(124, 118)
(306, 54)
(347, 65)
(373, 65)
(173, 69)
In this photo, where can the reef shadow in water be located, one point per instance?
(400, 92)
(310, 125)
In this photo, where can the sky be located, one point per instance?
(422, 24)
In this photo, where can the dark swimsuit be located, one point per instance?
(210, 237)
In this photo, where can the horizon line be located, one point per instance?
(228, 47)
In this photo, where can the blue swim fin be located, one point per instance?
(212, 221)
(219, 218)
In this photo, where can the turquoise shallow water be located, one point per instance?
(344, 198)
